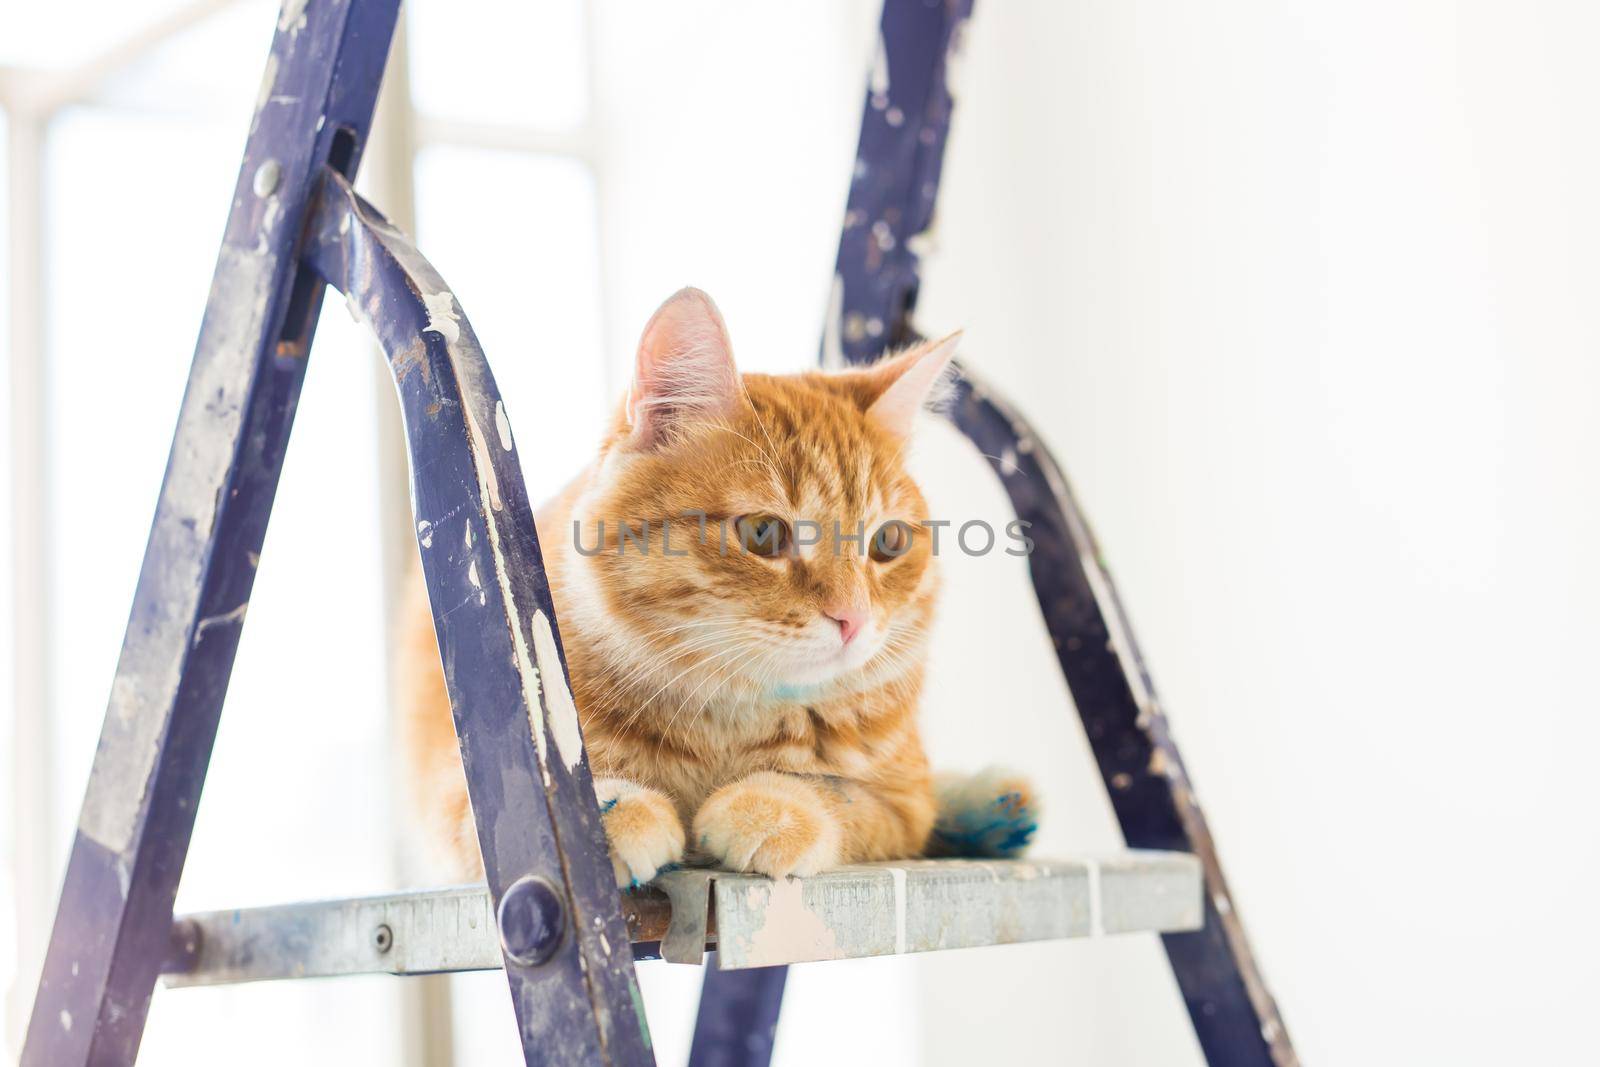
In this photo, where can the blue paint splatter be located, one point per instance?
(795, 693)
(1002, 828)
(608, 805)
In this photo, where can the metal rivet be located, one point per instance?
(267, 178)
(383, 938)
(531, 919)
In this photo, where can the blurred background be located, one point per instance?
(1301, 294)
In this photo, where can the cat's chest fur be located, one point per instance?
(690, 760)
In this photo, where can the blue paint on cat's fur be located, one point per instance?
(1000, 829)
(796, 693)
(608, 805)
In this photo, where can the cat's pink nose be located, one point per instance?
(850, 619)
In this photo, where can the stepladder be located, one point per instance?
(549, 914)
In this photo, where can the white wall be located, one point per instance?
(1301, 295)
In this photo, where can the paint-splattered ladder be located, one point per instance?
(549, 914)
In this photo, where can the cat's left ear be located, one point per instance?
(915, 379)
(683, 371)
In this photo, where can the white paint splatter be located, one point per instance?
(66, 1020)
(557, 697)
(425, 533)
(488, 481)
(472, 575)
(196, 478)
(443, 319)
(527, 673)
(293, 18)
(268, 80)
(236, 615)
(955, 57)
(790, 931)
(878, 80)
(530, 693)
(503, 424)
(270, 215)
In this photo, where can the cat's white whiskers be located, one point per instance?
(618, 686)
(728, 674)
(639, 672)
(642, 674)
(725, 672)
(722, 627)
(706, 662)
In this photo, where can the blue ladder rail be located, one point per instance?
(905, 123)
(296, 226)
(194, 585)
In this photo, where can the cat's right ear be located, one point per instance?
(683, 371)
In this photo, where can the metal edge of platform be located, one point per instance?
(866, 910)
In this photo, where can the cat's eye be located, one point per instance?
(892, 541)
(764, 535)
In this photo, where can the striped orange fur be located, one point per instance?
(757, 711)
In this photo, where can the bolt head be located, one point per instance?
(267, 177)
(531, 918)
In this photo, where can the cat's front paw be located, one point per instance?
(643, 828)
(772, 824)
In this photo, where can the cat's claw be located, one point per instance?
(643, 828)
(770, 824)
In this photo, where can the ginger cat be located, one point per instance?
(732, 678)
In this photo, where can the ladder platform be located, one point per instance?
(874, 909)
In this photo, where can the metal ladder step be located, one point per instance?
(874, 909)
